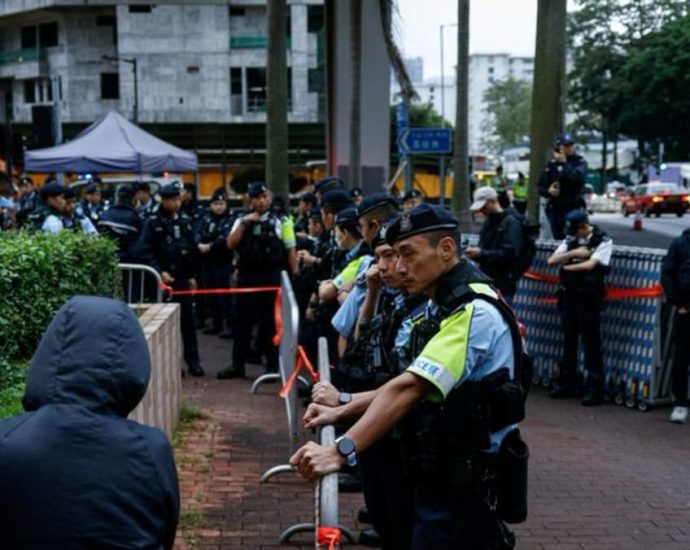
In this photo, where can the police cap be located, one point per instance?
(574, 220)
(328, 183)
(169, 190)
(142, 186)
(51, 190)
(380, 237)
(308, 197)
(355, 192)
(314, 214)
(336, 199)
(69, 193)
(347, 218)
(421, 219)
(125, 191)
(219, 195)
(412, 194)
(565, 138)
(256, 188)
(92, 188)
(372, 202)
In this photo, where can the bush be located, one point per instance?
(38, 273)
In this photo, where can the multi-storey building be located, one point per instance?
(200, 69)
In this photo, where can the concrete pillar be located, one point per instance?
(299, 63)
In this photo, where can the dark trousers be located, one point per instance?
(387, 493)
(216, 275)
(255, 308)
(681, 360)
(581, 318)
(557, 223)
(461, 518)
(189, 343)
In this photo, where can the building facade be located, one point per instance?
(197, 61)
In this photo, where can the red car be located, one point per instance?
(657, 199)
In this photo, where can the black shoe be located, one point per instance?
(363, 515)
(349, 483)
(254, 359)
(230, 372)
(227, 335)
(212, 330)
(560, 391)
(196, 370)
(592, 398)
(369, 537)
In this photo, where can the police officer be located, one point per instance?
(412, 198)
(73, 218)
(461, 378)
(329, 183)
(216, 258)
(675, 277)
(500, 242)
(47, 217)
(122, 224)
(584, 257)
(265, 247)
(92, 206)
(520, 194)
(562, 182)
(167, 243)
(144, 203)
(307, 201)
(28, 201)
(356, 196)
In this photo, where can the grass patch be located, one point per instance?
(190, 413)
(191, 519)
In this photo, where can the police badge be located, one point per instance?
(405, 224)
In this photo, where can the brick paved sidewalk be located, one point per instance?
(600, 478)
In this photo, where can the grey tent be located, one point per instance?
(112, 144)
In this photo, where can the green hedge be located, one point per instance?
(38, 273)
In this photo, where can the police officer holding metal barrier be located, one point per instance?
(458, 403)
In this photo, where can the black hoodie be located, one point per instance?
(75, 474)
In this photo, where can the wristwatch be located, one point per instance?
(344, 398)
(346, 448)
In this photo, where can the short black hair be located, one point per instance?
(434, 237)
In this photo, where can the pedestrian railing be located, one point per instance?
(141, 283)
(326, 527)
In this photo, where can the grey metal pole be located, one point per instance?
(57, 112)
(443, 88)
(135, 116)
(442, 181)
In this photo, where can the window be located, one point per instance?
(236, 91)
(48, 35)
(193, 69)
(108, 21)
(140, 9)
(29, 91)
(29, 37)
(236, 11)
(314, 18)
(491, 70)
(256, 89)
(110, 85)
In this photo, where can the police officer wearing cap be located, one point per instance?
(265, 246)
(28, 201)
(92, 206)
(122, 224)
(216, 258)
(73, 218)
(412, 198)
(584, 257)
(329, 183)
(144, 203)
(562, 182)
(47, 217)
(457, 403)
(167, 244)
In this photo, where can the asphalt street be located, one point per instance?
(655, 233)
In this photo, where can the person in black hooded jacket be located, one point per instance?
(75, 474)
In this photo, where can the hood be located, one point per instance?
(92, 354)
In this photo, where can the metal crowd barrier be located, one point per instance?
(136, 283)
(326, 490)
(286, 359)
(636, 331)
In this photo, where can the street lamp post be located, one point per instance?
(132, 61)
(443, 86)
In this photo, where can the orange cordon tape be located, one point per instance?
(328, 536)
(277, 311)
(301, 361)
(612, 292)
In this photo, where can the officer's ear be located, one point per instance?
(447, 248)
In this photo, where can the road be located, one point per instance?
(656, 232)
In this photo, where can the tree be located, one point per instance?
(509, 106)
(460, 202)
(277, 167)
(548, 93)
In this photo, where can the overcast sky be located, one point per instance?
(495, 26)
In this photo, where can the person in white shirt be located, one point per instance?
(584, 257)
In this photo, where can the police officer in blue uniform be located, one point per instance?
(73, 218)
(47, 216)
(167, 243)
(458, 402)
(143, 201)
(216, 258)
(122, 224)
(92, 206)
(264, 249)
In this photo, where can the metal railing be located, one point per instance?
(19, 56)
(137, 283)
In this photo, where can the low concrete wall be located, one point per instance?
(160, 406)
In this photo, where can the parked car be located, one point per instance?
(616, 189)
(657, 199)
(590, 197)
